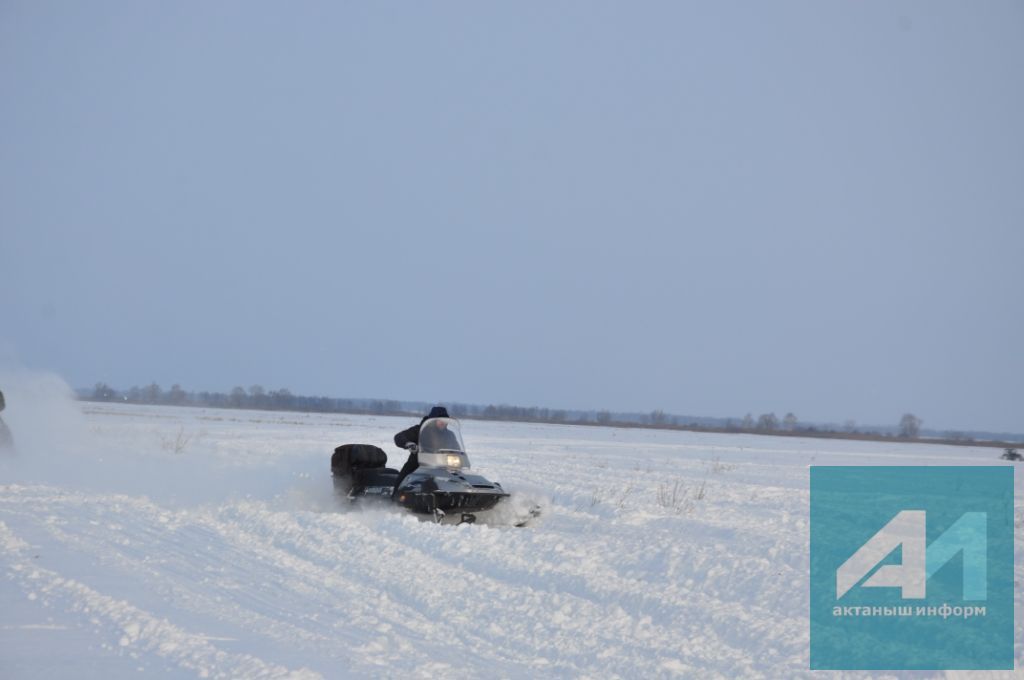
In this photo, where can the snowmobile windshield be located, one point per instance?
(438, 435)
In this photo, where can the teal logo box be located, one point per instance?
(912, 568)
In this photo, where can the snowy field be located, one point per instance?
(173, 542)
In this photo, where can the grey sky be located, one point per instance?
(709, 208)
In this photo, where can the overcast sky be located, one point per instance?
(710, 208)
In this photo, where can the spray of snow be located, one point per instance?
(48, 428)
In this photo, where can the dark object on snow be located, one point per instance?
(1011, 454)
(437, 480)
(2, 403)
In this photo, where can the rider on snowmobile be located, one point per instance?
(439, 439)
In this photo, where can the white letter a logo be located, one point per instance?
(907, 529)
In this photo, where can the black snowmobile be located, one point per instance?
(442, 486)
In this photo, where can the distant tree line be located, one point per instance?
(254, 397)
(257, 397)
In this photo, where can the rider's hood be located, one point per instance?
(436, 412)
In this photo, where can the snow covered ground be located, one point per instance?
(184, 542)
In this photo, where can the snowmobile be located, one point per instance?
(442, 487)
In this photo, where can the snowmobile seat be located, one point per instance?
(350, 457)
(364, 477)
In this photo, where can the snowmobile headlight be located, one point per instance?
(454, 461)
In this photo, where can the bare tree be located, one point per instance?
(910, 426)
(282, 398)
(152, 393)
(258, 397)
(238, 397)
(767, 422)
(789, 422)
(176, 395)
